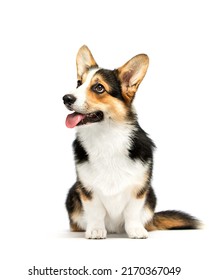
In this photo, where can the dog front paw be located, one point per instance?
(96, 233)
(137, 232)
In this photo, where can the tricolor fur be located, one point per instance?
(113, 155)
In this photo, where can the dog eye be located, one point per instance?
(98, 88)
(79, 83)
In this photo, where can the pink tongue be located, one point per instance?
(73, 119)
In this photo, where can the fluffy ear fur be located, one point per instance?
(84, 61)
(131, 74)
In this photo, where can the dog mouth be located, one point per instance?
(76, 119)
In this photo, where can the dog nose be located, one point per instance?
(69, 99)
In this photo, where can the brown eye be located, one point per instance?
(98, 88)
(79, 83)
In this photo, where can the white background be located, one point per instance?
(39, 42)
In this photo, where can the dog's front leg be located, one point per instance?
(94, 213)
(133, 219)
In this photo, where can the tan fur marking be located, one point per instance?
(76, 213)
(140, 191)
(163, 223)
(84, 195)
(150, 226)
(114, 107)
(108, 104)
(75, 228)
(75, 216)
(99, 79)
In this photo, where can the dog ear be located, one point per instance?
(84, 61)
(131, 74)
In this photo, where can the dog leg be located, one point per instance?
(133, 219)
(95, 215)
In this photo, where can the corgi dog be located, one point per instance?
(113, 155)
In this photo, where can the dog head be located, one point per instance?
(101, 94)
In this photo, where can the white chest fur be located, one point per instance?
(109, 170)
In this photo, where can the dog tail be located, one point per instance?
(172, 219)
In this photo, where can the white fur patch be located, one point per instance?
(95, 219)
(133, 218)
(80, 93)
(146, 215)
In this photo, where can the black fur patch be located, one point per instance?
(73, 201)
(110, 77)
(151, 199)
(79, 83)
(80, 153)
(142, 146)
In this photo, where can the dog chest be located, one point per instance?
(112, 175)
(109, 167)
